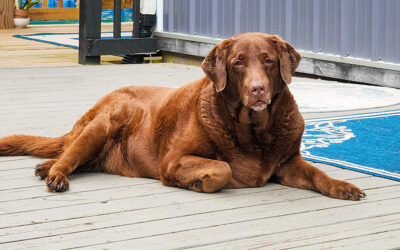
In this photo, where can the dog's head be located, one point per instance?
(252, 66)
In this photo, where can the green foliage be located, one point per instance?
(27, 4)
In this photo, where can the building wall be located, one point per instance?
(368, 29)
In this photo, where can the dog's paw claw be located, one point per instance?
(346, 191)
(349, 196)
(57, 183)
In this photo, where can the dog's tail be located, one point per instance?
(38, 146)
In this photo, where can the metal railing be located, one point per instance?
(92, 46)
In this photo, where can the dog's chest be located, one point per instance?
(249, 169)
(253, 162)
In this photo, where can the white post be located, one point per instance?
(160, 16)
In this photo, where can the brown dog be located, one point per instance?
(237, 127)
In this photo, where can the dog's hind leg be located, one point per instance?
(42, 169)
(82, 149)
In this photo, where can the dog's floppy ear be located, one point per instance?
(214, 65)
(288, 56)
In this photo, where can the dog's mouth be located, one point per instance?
(256, 103)
(259, 104)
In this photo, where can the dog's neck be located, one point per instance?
(228, 122)
(215, 119)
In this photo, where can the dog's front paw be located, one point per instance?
(57, 183)
(345, 191)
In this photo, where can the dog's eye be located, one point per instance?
(269, 61)
(238, 63)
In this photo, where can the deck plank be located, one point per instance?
(373, 240)
(17, 52)
(327, 236)
(225, 225)
(262, 200)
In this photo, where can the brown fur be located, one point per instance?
(217, 132)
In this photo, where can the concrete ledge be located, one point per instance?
(350, 72)
(350, 69)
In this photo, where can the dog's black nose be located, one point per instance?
(257, 88)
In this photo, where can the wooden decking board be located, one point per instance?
(34, 53)
(131, 194)
(374, 240)
(41, 103)
(15, 158)
(179, 231)
(227, 231)
(107, 211)
(251, 200)
(13, 166)
(146, 203)
(33, 198)
(92, 71)
(83, 182)
(17, 52)
(15, 173)
(36, 192)
(29, 115)
(315, 236)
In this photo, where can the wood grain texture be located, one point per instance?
(17, 52)
(6, 14)
(44, 14)
(109, 4)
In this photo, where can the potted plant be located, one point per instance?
(21, 16)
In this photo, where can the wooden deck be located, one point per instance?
(112, 212)
(17, 52)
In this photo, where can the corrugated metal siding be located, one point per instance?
(367, 29)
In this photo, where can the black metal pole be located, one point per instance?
(136, 18)
(117, 18)
(89, 28)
